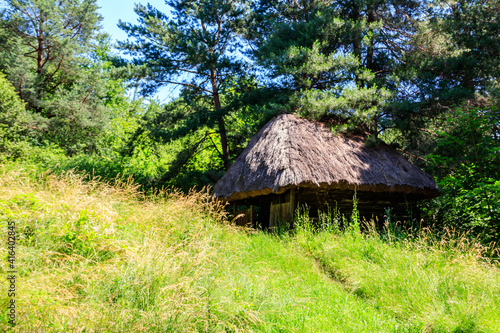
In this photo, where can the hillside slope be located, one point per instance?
(93, 257)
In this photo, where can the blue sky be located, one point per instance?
(115, 10)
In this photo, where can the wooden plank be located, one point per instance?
(246, 218)
(281, 213)
(273, 216)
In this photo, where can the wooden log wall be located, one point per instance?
(371, 205)
(245, 217)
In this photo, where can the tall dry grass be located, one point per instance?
(93, 255)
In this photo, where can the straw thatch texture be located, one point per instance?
(293, 152)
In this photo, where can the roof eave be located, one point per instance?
(421, 193)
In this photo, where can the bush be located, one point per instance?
(466, 164)
(11, 119)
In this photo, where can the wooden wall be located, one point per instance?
(245, 217)
(271, 208)
(282, 209)
(370, 204)
(281, 212)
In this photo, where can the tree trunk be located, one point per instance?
(39, 68)
(370, 51)
(222, 126)
(356, 43)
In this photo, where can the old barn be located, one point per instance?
(292, 161)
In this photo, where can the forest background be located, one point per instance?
(422, 76)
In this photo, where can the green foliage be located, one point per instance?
(196, 41)
(12, 115)
(452, 58)
(187, 142)
(470, 201)
(473, 27)
(331, 220)
(336, 61)
(194, 50)
(45, 51)
(466, 159)
(354, 225)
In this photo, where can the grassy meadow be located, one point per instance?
(94, 257)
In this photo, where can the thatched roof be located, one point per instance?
(293, 152)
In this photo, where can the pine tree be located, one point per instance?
(194, 49)
(337, 59)
(452, 60)
(45, 51)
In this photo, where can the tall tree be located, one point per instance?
(451, 115)
(457, 45)
(452, 58)
(44, 51)
(337, 59)
(195, 49)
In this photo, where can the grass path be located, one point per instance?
(273, 281)
(443, 287)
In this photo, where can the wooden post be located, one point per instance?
(272, 215)
(283, 210)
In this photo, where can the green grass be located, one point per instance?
(438, 286)
(95, 257)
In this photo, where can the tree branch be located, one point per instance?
(187, 85)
